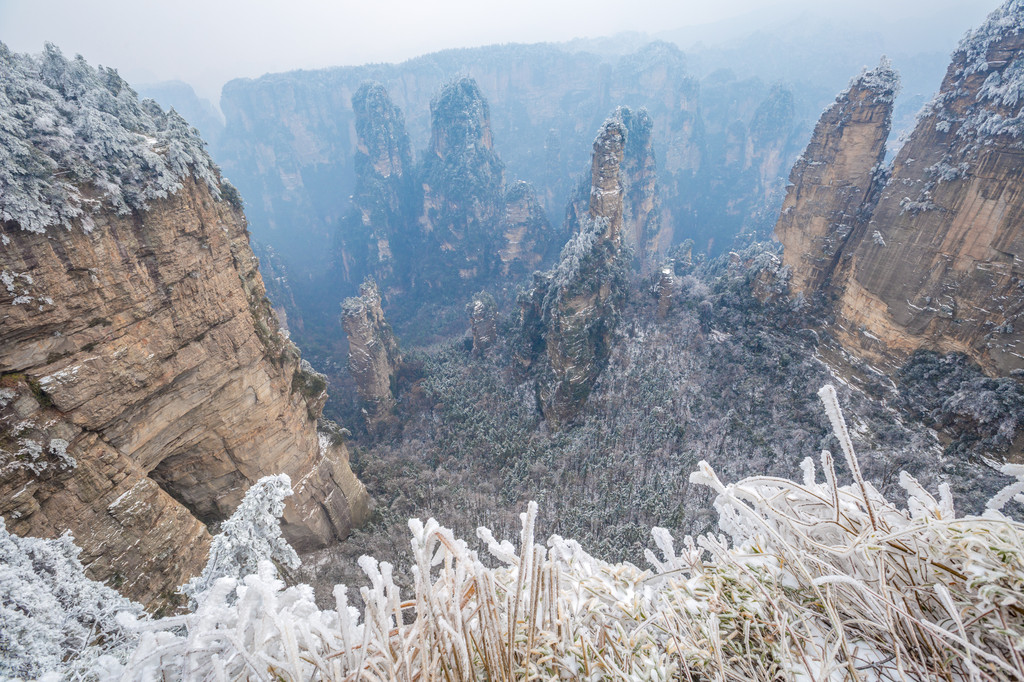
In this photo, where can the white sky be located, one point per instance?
(207, 42)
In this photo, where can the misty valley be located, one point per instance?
(591, 360)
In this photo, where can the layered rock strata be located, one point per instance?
(638, 204)
(144, 382)
(373, 356)
(936, 258)
(831, 180)
(150, 349)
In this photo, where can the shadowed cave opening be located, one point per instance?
(199, 480)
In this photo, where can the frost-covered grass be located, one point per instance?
(816, 581)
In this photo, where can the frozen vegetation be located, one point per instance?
(997, 110)
(810, 580)
(74, 139)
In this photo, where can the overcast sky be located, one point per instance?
(207, 42)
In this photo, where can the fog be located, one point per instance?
(207, 43)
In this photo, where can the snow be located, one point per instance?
(883, 80)
(997, 107)
(808, 581)
(54, 618)
(66, 127)
(251, 535)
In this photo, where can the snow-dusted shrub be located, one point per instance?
(53, 619)
(251, 535)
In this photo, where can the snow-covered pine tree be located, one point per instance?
(251, 535)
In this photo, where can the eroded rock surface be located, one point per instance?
(373, 355)
(144, 381)
(631, 184)
(831, 180)
(571, 310)
(483, 313)
(378, 230)
(156, 356)
(935, 259)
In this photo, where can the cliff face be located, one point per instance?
(937, 262)
(373, 356)
(628, 192)
(145, 383)
(447, 224)
(483, 313)
(160, 364)
(380, 222)
(463, 185)
(526, 237)
(571, 312)
(831, 181)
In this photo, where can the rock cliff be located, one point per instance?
(291, 139)
(935, 260)
(831, 180)
(463, 186)
(571, 312)
(526, 237)
(373, 356)
(382, 218)
(638, 203)
(145, 382)
(483, 313)
(472, 228)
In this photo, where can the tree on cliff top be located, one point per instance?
(74, 138)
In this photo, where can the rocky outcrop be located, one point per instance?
(379, 228)
(472, 228)
(462, 180)
(291, 141)
(159, 362)
(831, 181)
(571, 311)
(645, 230)
(526, 237)
(935, 261)
(373, 356)
(443, 226)
(483, 314)
(641, 226)
(145, 382)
